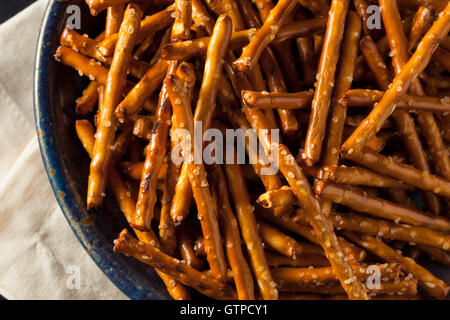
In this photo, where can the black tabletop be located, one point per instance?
(9, 8)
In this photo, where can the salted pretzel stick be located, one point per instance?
(403, 287)
(86, 132)
(197, 47)
(197, 174)
(276, 260)
(362, 202)
(325, 81)
(437, 254)
(277, 100)
(434, 286)
(250, 232)
(156, 22)
(114, 18)
(143, 126)
(133, 170)
(400, 85)
(279, 241)
(207, 99)
(187, 275)
(420, 22)
(324, 275)
(375, 61)
(136, 98)
(367, 98)
(241, 272)
(264, 35)
(86, 103)
(183, 20)
(116, 82)
(389, 230)
(277, 198)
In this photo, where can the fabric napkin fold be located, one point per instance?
(40, 257)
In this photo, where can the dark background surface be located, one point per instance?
(9, 8)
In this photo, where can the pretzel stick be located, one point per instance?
(389, 230)
(187, 275)
(183, 20)
(250, 233)
(151, 24)
(143, 127)
(197, 47)
(86, 132)
(305, 260)
(241, 272)
(133, 170)
(187, 248)
(279, 241)
(197, 173)
(264, 35)
(318, 7)
(116, 82)
(434, 286)
(86, 103)
(136, 98)
(97, 6)
(402, 287)
(277, 198)
(362, 202)
(205, 104)
(367, 98)
(325, 81)
(324, 275)
(277, 100)
(307, 59)
(437, 254)
(147, 45)
(399, 86)
(420, 22)
(375, 61)
(114, 17)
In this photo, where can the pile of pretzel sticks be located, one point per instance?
(362, 193)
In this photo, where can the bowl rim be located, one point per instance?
(103, 257)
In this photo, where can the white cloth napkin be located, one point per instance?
(40, 257)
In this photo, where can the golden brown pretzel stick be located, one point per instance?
(97, 6)
(325, 81)
(264, 35)
(361, 9)
(86, 103)
(390, 230)
(146, 46)
(400, 85)
(344, 78)
(272, 70)
(241, 272)
(437, 254)
(375, 61)
(186, 247)
(420, 22)
(279, 241)
(116, 82)
(303, 192)
(362, 202)
(133, 170)
(367, 98)
(277, 100)
(156, 22)
(127, 205)
(114, 17)
(183, 20)
(403, 172)
(305, 260)
(206, 102)
(277, 198)
(403, 287)
(197, 174)
(250, 233)
(187, 275)
(136, 98)
(354, 253)
(166, 226)
(360, 176)
(307, 59)
(143, 127)
(197, 47)
(434, 286)
(318, 7)
(324, 275)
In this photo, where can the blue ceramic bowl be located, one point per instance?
(55, 89)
